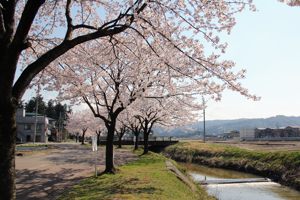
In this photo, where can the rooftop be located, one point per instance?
(33, 115)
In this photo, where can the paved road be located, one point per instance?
(45, 175)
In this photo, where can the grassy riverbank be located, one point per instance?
(146, 178)
(281, 166)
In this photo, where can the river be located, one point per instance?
(240, 191)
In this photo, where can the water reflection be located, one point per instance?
(240, 191)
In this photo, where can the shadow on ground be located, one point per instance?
(46, 176)
(39, 184)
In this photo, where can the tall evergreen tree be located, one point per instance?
(31, 104)
(50, 111)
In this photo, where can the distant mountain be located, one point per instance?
(217, 127)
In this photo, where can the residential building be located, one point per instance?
(26, 126)
(283, 133)
(247, 134)
(231, 135)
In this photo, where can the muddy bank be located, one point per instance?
(281, 167)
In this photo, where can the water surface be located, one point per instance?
(240, 191)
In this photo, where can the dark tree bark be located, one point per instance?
(136, 130)
(7, 150)
(120, 141)
(136, 144)
(109, 154)
(83, 135)
(76, 137)
(120, 134)
(146, 142)
(98, 137)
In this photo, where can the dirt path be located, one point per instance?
(47, 174)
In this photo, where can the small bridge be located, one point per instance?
(232, 181)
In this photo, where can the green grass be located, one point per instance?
(32, 145)
(87, 144)
(146, 178)
(282, 166)
(285, 158)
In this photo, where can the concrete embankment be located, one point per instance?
(280, 166)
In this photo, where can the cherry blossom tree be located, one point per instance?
(122, 126)
(168, 112)
(109, 80)
(100, 132)
(291, 2)
(132, 123)
(147, 119)
(82, 121)
(110, 74)
(33, 34)
(121, 129)
(31, 37)
(73, 126)
(96, 127)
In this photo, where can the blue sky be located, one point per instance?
(267, 44)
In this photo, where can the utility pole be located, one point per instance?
(203, 102)
(36, 111)
(59, 127)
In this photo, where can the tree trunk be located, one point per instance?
(136, 144)
(109, 154)
(7, 148)
(120, 141)
(83, 135)
(146, 149)
(98, 139)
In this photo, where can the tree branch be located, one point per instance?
(69, 20)
(8, 11)
(93, 110)
(28, 15)
(107, 29)
(2, 23)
